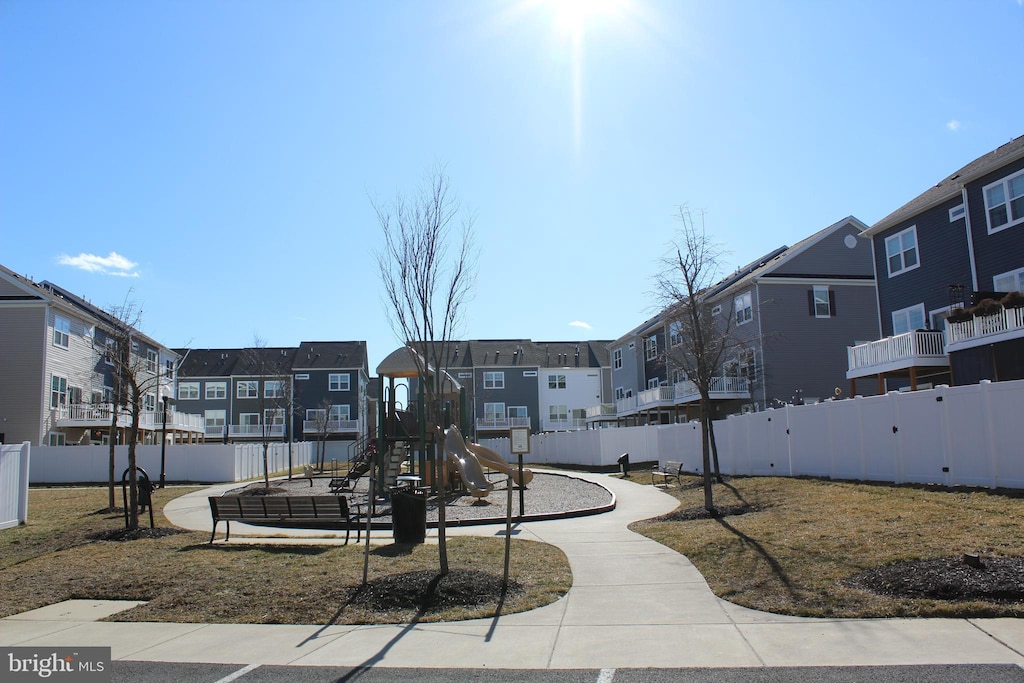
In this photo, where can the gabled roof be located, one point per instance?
(330, 355)
(952, 185)
(505, 353)
(209, 362)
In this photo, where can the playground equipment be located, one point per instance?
(488, 458)
(466, 463)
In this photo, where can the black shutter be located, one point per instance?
(832, 303)
(810, 302)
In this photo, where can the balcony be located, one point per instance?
(332, 427)
(492, 424)
(567, 425)
(275, 431)
(722, 388)
(990, 329)
(602, 411)
(98, 415)
(920, 348)
(658, 397)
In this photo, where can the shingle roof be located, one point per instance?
(509, 353)
(951, 186)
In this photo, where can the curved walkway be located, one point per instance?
(633, 603)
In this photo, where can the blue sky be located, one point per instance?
(226, 153)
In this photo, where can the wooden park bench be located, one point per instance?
(671, 469)
(304, 512)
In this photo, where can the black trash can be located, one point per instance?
(409, 516)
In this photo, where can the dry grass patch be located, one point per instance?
(804, 545)
(61, 554)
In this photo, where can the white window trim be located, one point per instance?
(957, 213)
(906, 311)
(1018, 274)
(558, 413)
(744, 303)
(212, 391)
(152, 359)
(248, 384)
(494, 379)
(617, 359)
(490, 415)
(61, 331)
(828, 303)
(1010, 221)
(556, 381)
(651, 348)
(339, 381)
(243, 416)
(899, 237)
(192, 393)
(508, 411)
(340, 412)
(277, 386)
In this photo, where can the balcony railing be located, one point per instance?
(655, 396)
(99, 414)
(1008, 323)
(910, 349)
(720, 388)
(332, 426)
(566, 425)
(601, 410)
(491, 423)
(257, 431)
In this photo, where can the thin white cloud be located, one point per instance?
(111, 264)
(579, 323)
(953, 125)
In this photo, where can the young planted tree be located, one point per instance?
(271, 371)
(427, 267)
(692, 266)
(322, 425)
(136, 376)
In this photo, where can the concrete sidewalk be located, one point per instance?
(633, 603)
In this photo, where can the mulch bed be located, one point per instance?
(429, 591)
(999, 579)
(690, 514)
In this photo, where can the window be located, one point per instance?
(304, 375)
(901, 251)
(214, 419)
(679, 376)
(651, 348)
(273, 416)
(1004, 202)
(338, 381)
(675, 333)
(272, 389)
(110, 347)
(188, 391)
(169, 368)
(61, 331)
(494, 380)
(215, 390)
(617, 359)
(908, 319)
(151, 360)
(1009, 282)
(248, 389)
(747, 364)
(56, 438)
(249, 419)
(653, 383)
(743, 304)
(956, 213)
(529, 373)
(517, 411)
(340, 413)
(558, 413)
(556, 381)
(620, 393)
(494, 411)
(149, 403)
(715, 310)
(316, 415)
(58, 391)
(821, 302)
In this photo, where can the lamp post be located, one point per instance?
(163, 445)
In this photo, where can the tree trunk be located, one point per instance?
(440, 457)
(112, 466)
(714, 451)
(709, 500)
(266, 466)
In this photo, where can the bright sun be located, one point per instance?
(572, 15)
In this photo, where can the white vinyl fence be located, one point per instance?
(184, 462)
(14, 462)
(954, 436)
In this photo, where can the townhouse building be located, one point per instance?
(782, 314)
(317, 390)
(59, 382)
(943, 253)
(543, 385)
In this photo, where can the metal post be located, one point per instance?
(163, 448)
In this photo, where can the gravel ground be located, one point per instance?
(547, 495)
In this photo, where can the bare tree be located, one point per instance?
(703, 340)
(270, 368)
(428, 270)
(136, 376)
(322, 425)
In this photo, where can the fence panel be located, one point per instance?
(920, 440)
(845, 443)
(14, 469)
(1005, 412)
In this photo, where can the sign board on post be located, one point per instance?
(519, 443)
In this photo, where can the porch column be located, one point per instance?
(913, 378)
(853, 387)
(881, 384)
